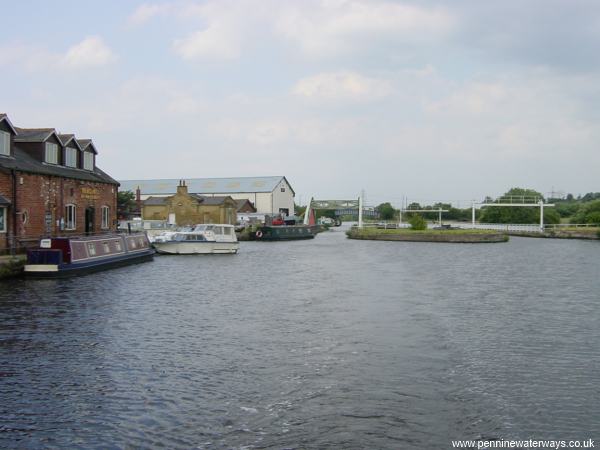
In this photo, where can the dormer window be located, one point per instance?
(88, 161)
(4, 143)
(71, 157)
(51, 153)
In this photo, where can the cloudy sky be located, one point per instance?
(431, 100)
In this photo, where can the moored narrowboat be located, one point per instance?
(67, 256)
(284, 233)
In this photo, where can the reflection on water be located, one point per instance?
(328, 343)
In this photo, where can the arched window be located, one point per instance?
(70, 217)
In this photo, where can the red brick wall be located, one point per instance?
(6, 191)
(42, 195)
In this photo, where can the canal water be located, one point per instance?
(321, 344)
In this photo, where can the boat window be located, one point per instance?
(132, 242)
(209, 228)
(106, 247)
(118, 245)
(218, 230)
(91, 249)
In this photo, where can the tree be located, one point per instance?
(386, 211)
(417, 223)
(518, 214)
(126, 204)
(588, 213)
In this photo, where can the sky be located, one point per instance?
(449, 100)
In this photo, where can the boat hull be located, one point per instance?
(86, 267)
(196, 248)
(285, 233)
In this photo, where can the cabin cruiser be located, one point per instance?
(199, 239)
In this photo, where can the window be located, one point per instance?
(91, 249)
(105, 247)
(118, 246)
(2, 220)
(105, 217)
(71, 157)
(88, 161)
(51, 153)
(4, 143)
(70, 222)
(282, 189)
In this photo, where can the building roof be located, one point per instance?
(66, 138)
(205, 185)
(243, 202)
(4, 201)
(34, 134)
(24, 162)
(155, 201)
(4, 118)
(212, 201)
(85, 143)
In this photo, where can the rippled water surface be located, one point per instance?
(328, 343)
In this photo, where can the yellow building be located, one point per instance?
(189, 209)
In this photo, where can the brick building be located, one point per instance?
(184, 208)
(50, 185)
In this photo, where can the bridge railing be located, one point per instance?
(562, 226)
(531, 228)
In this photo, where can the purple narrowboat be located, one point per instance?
(67, 256)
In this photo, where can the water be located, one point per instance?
(328, 343)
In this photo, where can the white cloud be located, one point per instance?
(324, 27)
(29, 57)
(91, 52)
(475, 98)
(146, 12)
(317, 27)
(218, 41)
(341, 86)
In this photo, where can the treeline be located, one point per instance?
(576, 210)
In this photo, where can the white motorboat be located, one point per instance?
(200, 239)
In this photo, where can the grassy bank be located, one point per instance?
(564, 233)
(11, 266)
(408, 235)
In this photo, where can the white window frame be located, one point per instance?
(71, 157)
(88, 160)
(51, 156)
(68, 224)
(105, 217)
(3, 215)
(4, 143)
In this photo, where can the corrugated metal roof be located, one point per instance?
(204, 185)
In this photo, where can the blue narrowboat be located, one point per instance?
(67, 256)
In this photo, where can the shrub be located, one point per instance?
(417, 223)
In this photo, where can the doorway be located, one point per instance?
(89, 219)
